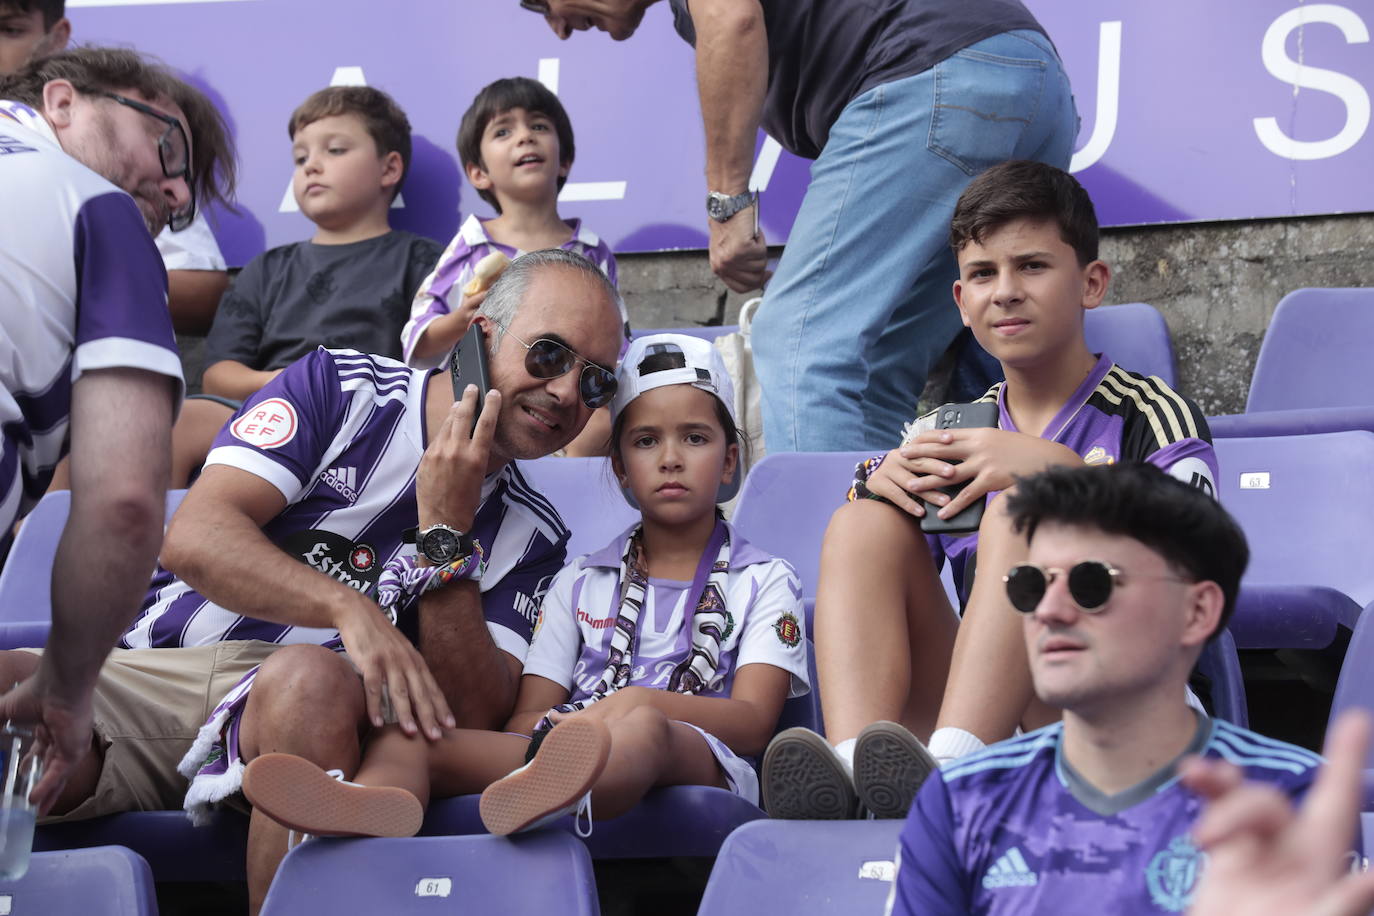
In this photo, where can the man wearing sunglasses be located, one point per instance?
(1130, 573)
(98, 148)
(347, 483)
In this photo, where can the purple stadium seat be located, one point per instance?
(584, 492)
(1307, 506)
(26, 580)
(786, 502)
(173, 848)
(1134, 335)
(1355, 687)
(804, 868)
(103, 881)
(1313, 374)
(1221, 665)
(539, 873)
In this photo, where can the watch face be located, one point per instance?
(441, 545)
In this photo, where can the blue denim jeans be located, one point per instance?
(861, 306)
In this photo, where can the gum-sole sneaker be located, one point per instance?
(563, 771)
(299, 795)
(803, 779)
(890, 764)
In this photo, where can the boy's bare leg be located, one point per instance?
(192, 435)
(464, 761)
(647, 750)
(883, 625)
(989, 690)
(307, 701)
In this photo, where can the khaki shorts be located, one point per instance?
(149, 704)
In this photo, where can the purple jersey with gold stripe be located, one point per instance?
(341, 434)
(1014, 830)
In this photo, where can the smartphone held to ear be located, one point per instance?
(468, 366)
(959, 416)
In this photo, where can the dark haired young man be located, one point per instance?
(1025, 236)
(98, 148)
(1129, 573)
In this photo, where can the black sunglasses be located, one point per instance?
(1090, 584)
(173, 151)
(536, 6)
(548, 359)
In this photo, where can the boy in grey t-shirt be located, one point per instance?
(351, 284)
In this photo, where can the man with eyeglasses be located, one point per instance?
(96, 153)
(1130, 572)
(347, 481)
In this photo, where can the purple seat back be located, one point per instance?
(1306, 504)
(1355, 687)
(166, 840)
(547, 871)
(1134, 335)
(26, 581)
(101, 881)
(803, 867)
(1221, 664)
(1316, 352)
(786, 503)
(584, 492)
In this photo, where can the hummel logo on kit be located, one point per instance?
(344, 480)
(1010, 870)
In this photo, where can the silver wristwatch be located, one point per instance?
(720, 207)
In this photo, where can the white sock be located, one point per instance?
(952, 743)
(845, 751)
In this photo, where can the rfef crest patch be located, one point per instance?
(269, 424)
(788, 630)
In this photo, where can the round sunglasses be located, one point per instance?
(1090, 584)
(548, 359)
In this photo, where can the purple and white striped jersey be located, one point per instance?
(81, 288)
(341, 434)
(441, 291)
(1015, 830)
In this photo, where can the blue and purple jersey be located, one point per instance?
(441, 291)
(1014, 830)
(82, 288)
(341, 435)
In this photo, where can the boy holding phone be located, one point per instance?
(889, 649)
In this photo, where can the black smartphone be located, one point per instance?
(468, 366)
(959, 416)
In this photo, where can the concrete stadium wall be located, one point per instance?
(1216, 283)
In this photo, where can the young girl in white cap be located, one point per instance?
(662, 659)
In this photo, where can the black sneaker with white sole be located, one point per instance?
(890, 764)
(803, 779)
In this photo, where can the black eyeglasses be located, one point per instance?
(173, 151)
(548, 359)
(536, 6)
(1090, 584)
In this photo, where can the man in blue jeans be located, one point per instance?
(900, 103)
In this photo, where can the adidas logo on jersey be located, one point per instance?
(1010, 870)
(343, 480)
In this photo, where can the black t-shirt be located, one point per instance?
(292, 299)
(823, 53)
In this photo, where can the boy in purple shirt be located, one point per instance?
(516, 145)
(1025, 235)
(1130, 572)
